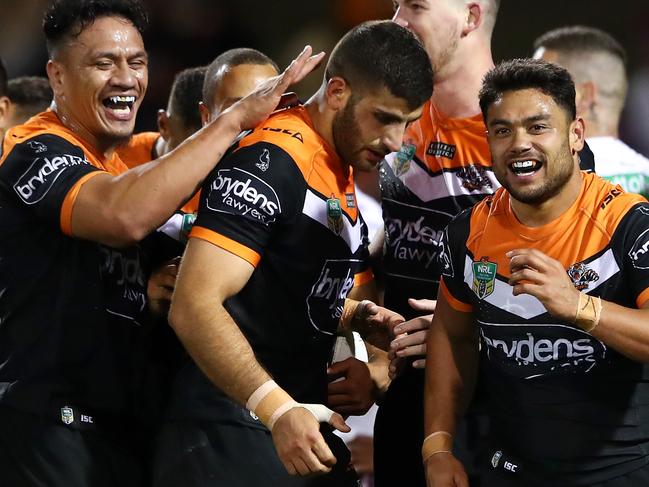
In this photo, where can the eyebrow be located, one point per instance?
(393, 117)
(534, 118)
(114, 55)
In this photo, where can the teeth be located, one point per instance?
(122, 99)
(523, 164)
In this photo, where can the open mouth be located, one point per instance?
(526, 167)
(120, 105)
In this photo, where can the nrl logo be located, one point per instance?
(474, 178)
(484, 277)
(581, 276)
(264, 160)
(334, 216)
(67, 415)
(403, 159)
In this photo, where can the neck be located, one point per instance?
(103, 148)
(550, 210)
(458, 83)
(321, 118)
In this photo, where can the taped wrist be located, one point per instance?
(589, 311)
(353, 311)
(438, 442)
(270, 402)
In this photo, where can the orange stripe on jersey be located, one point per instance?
(324, 172)
(448, 143)
(68, 202)
(454, 303)
(575, 236)
(139, 149)
(643, 298)
(226, 243)
(363, 277)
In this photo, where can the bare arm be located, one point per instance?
(451, 367)
(623, 329)
(120, 210)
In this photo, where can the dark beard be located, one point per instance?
(345, 132)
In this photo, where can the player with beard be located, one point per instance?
(551, 276)
(277, 247)
(73, 304)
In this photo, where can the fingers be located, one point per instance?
(323, 453)
(338, 422)
(339, 368)
(421, 323)
(427, 305)
(411, 345)
(338, 401)
(302, 65)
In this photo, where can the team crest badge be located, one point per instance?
(474, 178)
(581, 275)
(484, 277)
(264, 160)
(496, 459)
(67, 415)
(403, 158)
(334, 216)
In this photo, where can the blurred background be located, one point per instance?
(186, 33)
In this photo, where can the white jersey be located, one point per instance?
(620, 164)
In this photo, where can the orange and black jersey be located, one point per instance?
(442, 168)
(139, 150)
(573, 410)
(283, 201)
(70, 310)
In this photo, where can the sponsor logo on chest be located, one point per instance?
(327, 298)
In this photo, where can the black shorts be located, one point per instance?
(36, 451)
(211, 453)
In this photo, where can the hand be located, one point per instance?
(299, 444)
(254, 108)
(536, 274)
(355, 393)
(161, 286)
(444, 470)
(376, 324)
(362, 450)
(411, 338)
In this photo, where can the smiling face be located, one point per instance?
(370, 126)
(533, 145)
(99, 79)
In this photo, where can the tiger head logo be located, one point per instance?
(581, 275)
(474, 178)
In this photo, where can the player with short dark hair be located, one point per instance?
(277, 247)
(29, 95)
(550, 276)
(597, 63)
(72, 273)
(5, 104)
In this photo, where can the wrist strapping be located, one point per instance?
(438, 442)
(270, 402)
(589, 310)
(353, 310)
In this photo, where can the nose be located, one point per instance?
(393, 138)
(520, 141)
(123, 75)
(398, 18)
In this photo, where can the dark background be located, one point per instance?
(186, 33)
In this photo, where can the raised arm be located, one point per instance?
(120, 210)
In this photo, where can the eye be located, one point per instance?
(538, 128)
(501, 131)
(104, 64)
(137, 63)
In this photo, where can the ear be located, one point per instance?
(586, 97)
(163, 124)
(337, 92)
(473, 20)
(56, 74)
(577, 135)
(6, 112)
(205, 113)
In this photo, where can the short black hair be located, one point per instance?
(186, 94)
(379, 54)
(521, 74)
(31, 92)
(3, 78)
(579, 39)
(232, 58)
(69, 18)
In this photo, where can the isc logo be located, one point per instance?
(510, 466)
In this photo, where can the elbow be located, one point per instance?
(124, 229)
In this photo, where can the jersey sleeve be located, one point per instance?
(451, 261)
(44, 174)
(251, 193)
(633, 232)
